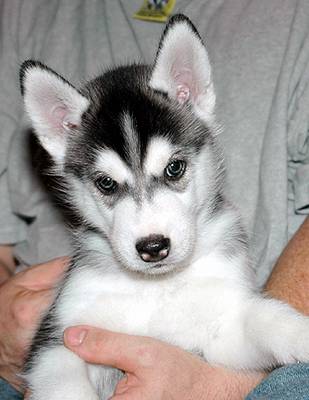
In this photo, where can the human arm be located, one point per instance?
(23, 298)
(289, 280)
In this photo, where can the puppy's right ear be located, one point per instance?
(55, 107)
(182, 68)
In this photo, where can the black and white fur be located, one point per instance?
(129, 124)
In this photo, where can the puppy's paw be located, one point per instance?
(297, 341)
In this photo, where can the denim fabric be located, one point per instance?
(287, 383)
(7, 392)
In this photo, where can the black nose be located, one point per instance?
(153, 248)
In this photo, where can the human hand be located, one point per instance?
(155, 370)
(23, 298)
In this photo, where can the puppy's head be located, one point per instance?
(136, 147)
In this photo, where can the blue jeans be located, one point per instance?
(286, 383)
(7, 392)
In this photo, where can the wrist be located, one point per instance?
(231, 384)
(247, 381)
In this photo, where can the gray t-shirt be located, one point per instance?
(259, 52)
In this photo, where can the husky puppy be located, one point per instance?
(159, 250)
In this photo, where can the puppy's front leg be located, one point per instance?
(278, 331)
(58, 374)
(262, 333)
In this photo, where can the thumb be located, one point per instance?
(98, 346)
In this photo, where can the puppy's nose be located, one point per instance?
(153, 248)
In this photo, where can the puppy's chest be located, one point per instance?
(175, 309)
(118, 302)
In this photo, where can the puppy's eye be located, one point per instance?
(106, 184)
(175, 169)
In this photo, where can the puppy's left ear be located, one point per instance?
(54, 106)
(182, 68)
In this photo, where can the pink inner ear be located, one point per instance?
(182, 93)
(60, 118)
(184, 80)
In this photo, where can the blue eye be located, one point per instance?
(106, 185)
(175, 169)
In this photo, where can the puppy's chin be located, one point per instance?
(159, 268)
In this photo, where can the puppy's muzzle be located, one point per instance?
(153, 248)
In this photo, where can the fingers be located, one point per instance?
(27, 309)
(44, 276)
(128, 384)
(39, 301)
(122, 386)
(98, 346)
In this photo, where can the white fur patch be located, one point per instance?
(111, 164)
(159, 152)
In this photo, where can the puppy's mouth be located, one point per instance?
(160, 269)
(158, 266)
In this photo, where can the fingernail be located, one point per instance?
(74, 336)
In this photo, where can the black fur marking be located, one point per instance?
(48, 335)
(120, 92)
(125, 91)
(54, 184)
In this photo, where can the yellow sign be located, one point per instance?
(155, 10)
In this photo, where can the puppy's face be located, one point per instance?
(136, 148)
